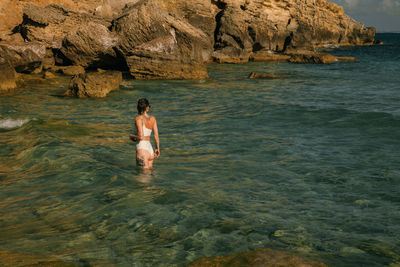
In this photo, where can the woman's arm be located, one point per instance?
(134, 137)
(139, 127)
(156, 138)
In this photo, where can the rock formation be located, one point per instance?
(248, 26)
(172, 39)
(94, 84)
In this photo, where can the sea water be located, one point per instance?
(308, 163)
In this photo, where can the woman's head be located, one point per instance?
(142, 105)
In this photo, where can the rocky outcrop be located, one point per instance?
(173, 39)
(157, 45)
(318, 58)
(8, 77)
(245, 27)
(95, 84)
(258, 257)
(24, 57)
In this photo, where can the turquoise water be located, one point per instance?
(308, 163)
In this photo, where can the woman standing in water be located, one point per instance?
(145, 124)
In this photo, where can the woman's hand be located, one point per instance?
(134, 138)
(156, 153)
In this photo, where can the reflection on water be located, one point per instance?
(306, 164)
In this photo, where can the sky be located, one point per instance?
(384, 15)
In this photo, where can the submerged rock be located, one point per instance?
(94, 84)
(258, 257)
(9, 258)
(264, 75)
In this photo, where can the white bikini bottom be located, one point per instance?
(145, 145)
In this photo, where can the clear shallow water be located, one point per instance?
(308, 163)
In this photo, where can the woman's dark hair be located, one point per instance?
(142, 104)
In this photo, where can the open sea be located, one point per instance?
(308, 163)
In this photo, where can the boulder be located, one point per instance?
(157, 45)
(146, 65)
(94, 84)
(51, 24)
(92, 45)
(256, 258)
(8, 77)
(24, 57)
(264, 75)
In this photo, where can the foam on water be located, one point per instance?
(12, 123)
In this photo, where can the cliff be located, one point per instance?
(167, 39)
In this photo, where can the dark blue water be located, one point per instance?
(308, 163)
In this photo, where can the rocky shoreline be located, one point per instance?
(168, 39)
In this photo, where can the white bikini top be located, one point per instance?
(146, 131)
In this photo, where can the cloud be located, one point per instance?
(383, 14)
(391, 7)
(351, 3)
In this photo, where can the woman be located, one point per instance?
(145, 124)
